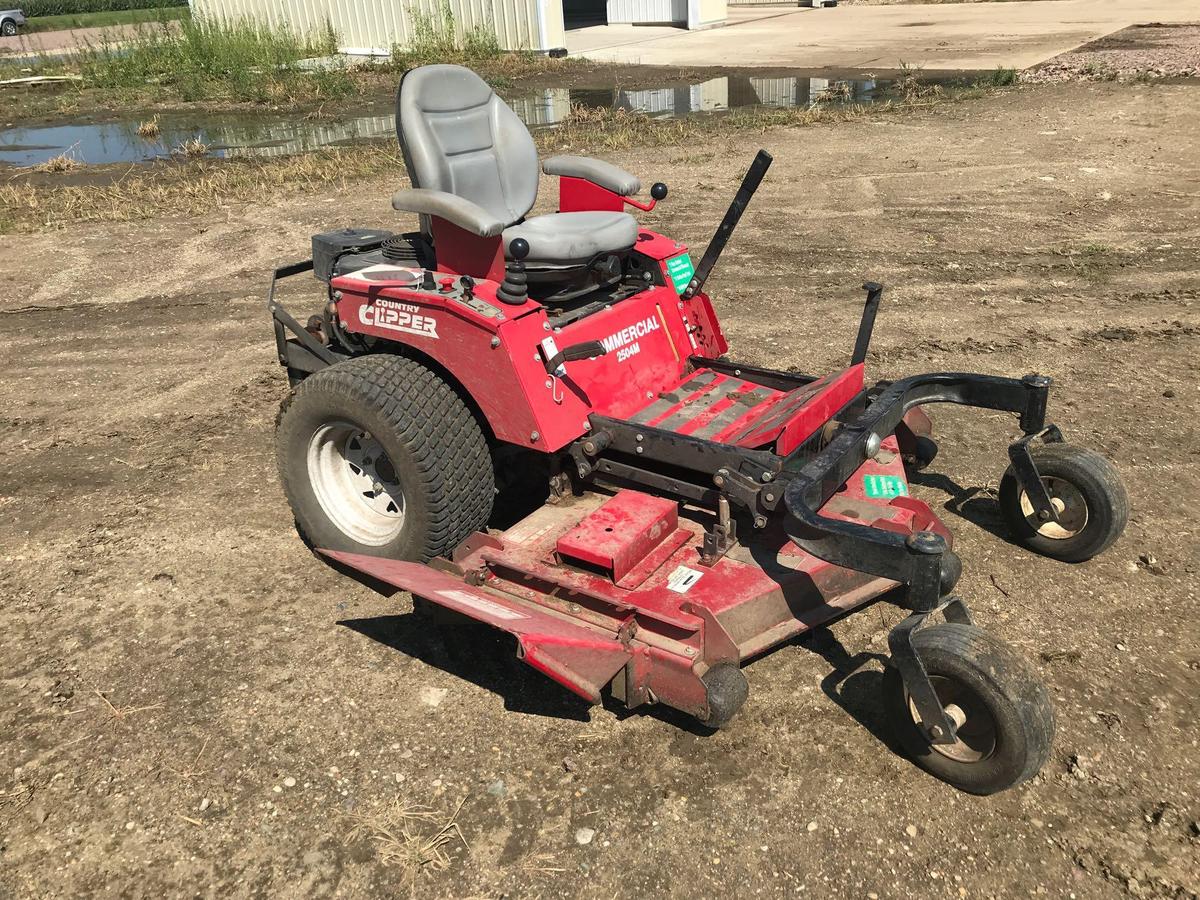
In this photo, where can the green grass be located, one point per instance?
(1098, 72)
(169, 57)
(203, 59)
(438, 37)
(912, 86)
(1000, 77)
(107, 19)
(36, 9)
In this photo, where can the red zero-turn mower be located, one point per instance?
(691, 512)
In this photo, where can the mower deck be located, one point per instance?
(594, 584)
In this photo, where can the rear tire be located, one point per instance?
(1086, 490)
(9, 28)
(1006, 725)
(378, 455)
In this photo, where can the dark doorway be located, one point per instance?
(582, 13)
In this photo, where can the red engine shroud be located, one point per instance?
(497, 353)
(494, 350)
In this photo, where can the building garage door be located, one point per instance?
(582, 13)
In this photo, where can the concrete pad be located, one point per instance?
(585, 41)
(959, 36)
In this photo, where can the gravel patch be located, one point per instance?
(1140, 52)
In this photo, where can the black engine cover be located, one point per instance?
(329, 245)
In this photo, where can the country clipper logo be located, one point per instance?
(396, 316)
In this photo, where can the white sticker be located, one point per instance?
(386, 274)
(527, 533)
(628, 337)
(479, 603)
(549, 351)
(683, 579)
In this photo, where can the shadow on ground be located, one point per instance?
(978, 505)
(478, 654)
(857, 690)
(488, 658)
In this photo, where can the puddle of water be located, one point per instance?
(239, 134)
(234, 135)
(716, 95)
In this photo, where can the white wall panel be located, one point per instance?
(378, 24)
(647, 11)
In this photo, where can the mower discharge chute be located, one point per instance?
(688, 512)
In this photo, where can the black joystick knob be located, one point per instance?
(658, 190)
(514, 288)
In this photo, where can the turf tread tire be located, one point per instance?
(1005, 681)
(1099, 482)
(427, 431)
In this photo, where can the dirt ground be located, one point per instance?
(193, 705)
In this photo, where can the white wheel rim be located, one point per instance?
(975, 729)
(1068, 503)
(355, 483)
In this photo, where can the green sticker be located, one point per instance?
(885, 486)
(681, 271)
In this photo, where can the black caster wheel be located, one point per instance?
(1003, 716)
(1087, 494)
(726, 689)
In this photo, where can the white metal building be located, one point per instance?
(373, 26)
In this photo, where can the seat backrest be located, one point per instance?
(457, 136)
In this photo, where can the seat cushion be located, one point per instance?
(573, 238)
(460, 138)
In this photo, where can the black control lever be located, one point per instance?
(514, 289)
(583, 350)
(867, 323)
(754, 176)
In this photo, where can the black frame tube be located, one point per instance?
(284, 321)
(902, 558)
(912, 560)
(772, 378)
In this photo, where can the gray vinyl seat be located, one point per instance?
(473, 163)
(573, 238)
